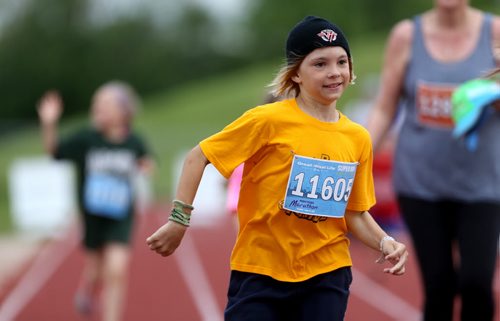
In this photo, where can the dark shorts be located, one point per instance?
(255, 297)
(99, 231)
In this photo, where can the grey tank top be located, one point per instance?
(430, 164)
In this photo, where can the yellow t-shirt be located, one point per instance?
(285, 245)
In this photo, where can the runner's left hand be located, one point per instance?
(396, 253)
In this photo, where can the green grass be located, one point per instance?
(177, 119)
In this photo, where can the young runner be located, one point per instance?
(106, 155)
(448, 189)
(307, 183)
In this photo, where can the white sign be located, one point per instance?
(42, 195)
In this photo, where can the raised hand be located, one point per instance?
(50, 108)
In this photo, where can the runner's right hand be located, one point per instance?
(167, 238)
(50, 108)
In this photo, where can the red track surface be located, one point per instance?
(191, 285)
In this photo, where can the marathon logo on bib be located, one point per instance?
(319, 187)
(433, 104)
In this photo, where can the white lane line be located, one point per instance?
(43, 267)
(382, 299)
(193, 273)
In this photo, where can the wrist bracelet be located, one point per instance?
(180, 205)
(179, 217)
(385, 238)
(178, 213)
(381, 259)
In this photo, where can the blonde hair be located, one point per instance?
(283, 84)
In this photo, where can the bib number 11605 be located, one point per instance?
(338, 190)
(319, 187)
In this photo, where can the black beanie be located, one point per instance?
(312, 33)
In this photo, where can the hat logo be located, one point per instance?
(328, 35)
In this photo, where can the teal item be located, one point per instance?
(469, 101)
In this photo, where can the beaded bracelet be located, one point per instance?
(381, 259)
(385, 238)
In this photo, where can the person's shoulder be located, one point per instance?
(81, 133)
(273, 106)
(398, 45)
(270, 109)
(496, 19)
(351, 123)
(73, 143)
(402, 32)
(356, 128)
(495, 22)
(483, 16)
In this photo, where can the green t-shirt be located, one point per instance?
(105, 170)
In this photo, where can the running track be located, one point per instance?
(191, 285)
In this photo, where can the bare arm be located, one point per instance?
(496, 39)
(169, 236)
(49, 113)
(495, 32)
(191, 174)
(363, 227)
(396, 58)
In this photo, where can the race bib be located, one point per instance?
(107, 196)
(433, 105)
(319, 187)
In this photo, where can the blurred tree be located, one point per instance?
(52, 44)
(35, 48)
(57, 44)
(271, 20)
(197, 50)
